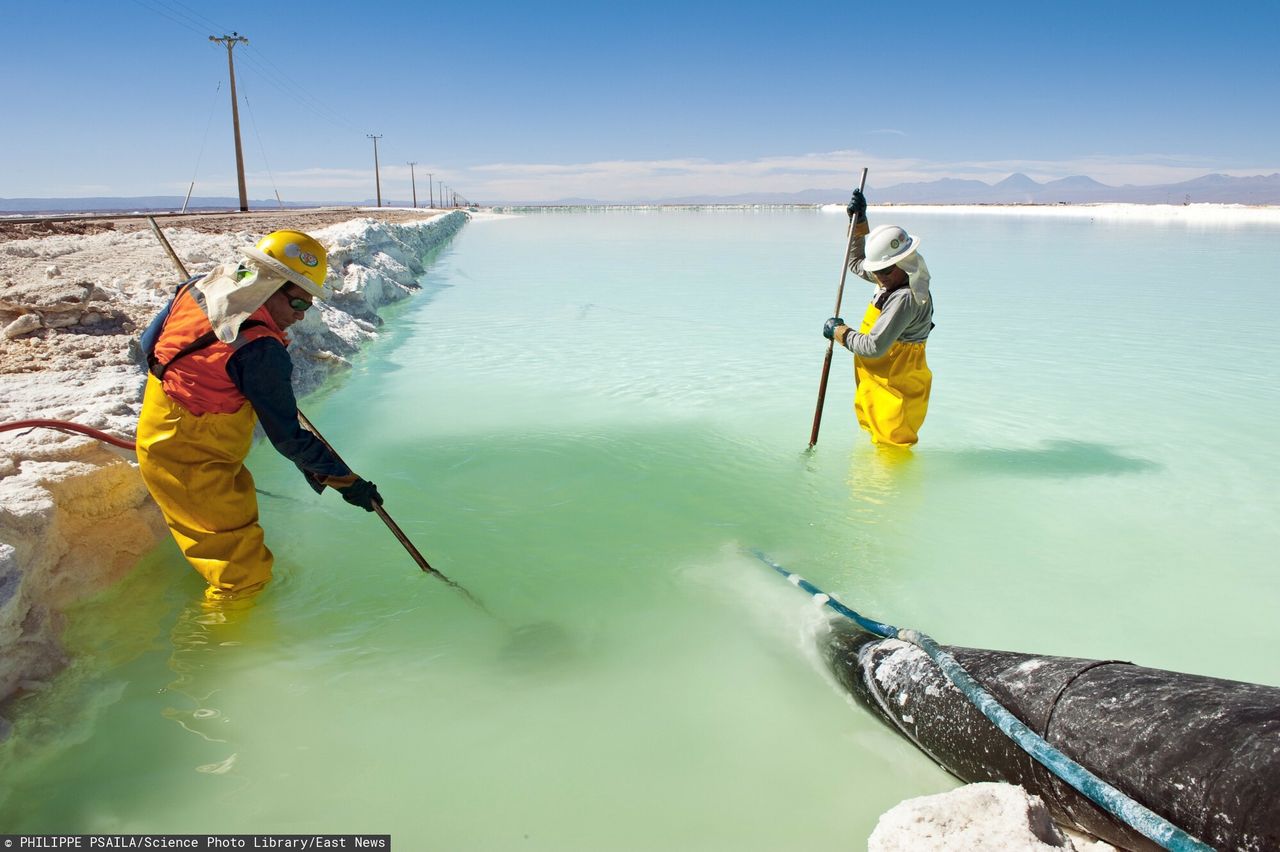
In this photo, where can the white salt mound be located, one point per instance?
(986, 817)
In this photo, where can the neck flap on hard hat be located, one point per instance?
(230, 299)
(918, 275)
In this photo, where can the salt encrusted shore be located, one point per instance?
(74, 514)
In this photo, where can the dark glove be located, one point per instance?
(857, 208)
(362, 493)
(829, 327)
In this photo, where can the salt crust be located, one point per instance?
(1189, 214)
(74, 514)
(984, 817)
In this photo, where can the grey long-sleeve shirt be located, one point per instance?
(901, 317)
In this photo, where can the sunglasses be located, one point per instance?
(299, 304)
(886, 271)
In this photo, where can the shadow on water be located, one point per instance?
(1053, 460)
(539, 647)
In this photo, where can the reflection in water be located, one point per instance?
(220, 768)
(878, 476)
(204, 636)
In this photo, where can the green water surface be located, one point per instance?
(584, 419)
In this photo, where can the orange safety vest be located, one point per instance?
(197, 378)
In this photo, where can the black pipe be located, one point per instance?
(1204, 753)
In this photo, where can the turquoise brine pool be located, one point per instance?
(585, 418)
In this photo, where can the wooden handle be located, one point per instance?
(826, 362)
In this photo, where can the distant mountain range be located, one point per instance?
(1015, 189)
(1020, 189)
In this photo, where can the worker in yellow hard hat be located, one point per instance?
(892, 377)
(218, 364)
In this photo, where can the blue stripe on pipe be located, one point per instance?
(886, 630)
(1133, 814)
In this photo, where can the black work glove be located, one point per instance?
(857, 208)
(362, 493)
(829, 327)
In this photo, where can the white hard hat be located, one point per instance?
(886, 245)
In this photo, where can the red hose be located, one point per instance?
(69, 428)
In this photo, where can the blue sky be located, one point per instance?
(544, 100)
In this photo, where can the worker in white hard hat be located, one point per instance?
(218, 365)
(890, 371)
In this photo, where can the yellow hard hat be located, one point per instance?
(295, 255)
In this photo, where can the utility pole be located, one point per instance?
(229, 41)
(377, 179)
(430, 192)
(415, 185)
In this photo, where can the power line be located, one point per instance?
(204, 142)
(263, 149)
(191, 20)
(198, 18)
(294, 91)
(157, 9)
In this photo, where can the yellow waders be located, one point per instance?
(892, 395)
(193, 466)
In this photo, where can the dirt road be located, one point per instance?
(262, 220)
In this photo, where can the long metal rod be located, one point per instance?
(831, 344)
(310, 427)
(391, 524)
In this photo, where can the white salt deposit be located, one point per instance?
(1203, 214)
(986, 817)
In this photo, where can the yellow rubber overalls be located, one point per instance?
(892, 395)
(193, 466)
